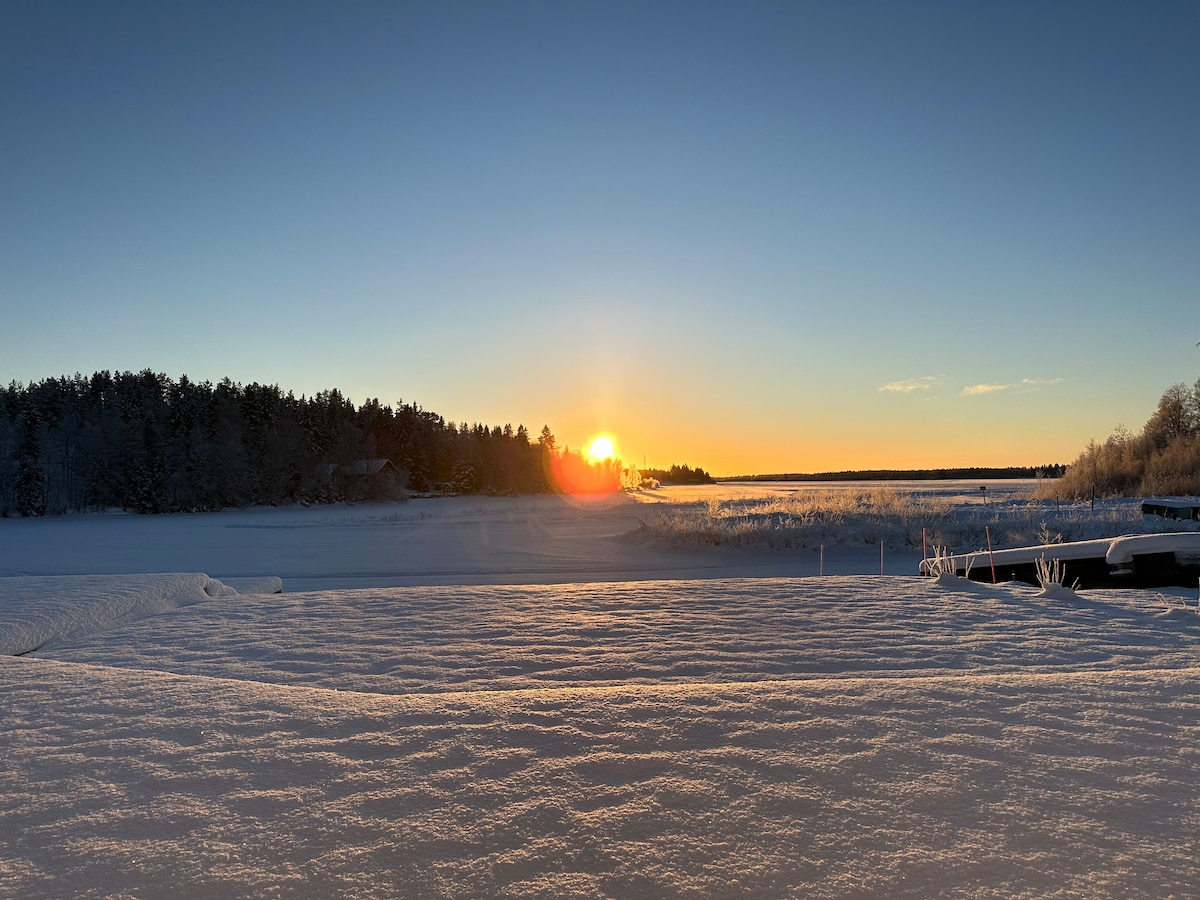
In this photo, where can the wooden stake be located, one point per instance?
(988, 531)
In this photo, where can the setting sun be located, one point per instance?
(593, 471)
(600, 449)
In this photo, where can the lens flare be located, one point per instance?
(589, 476)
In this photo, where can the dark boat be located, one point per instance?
(1171, 509)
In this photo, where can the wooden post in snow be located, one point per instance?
(988, 531)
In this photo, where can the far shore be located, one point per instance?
(944, 474)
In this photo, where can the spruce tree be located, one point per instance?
(30, 483)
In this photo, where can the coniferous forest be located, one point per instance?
(679, 474)
(146, 443)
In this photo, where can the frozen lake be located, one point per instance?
(442, 540)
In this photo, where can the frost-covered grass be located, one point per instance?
(900, 519)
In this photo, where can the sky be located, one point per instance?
(751, 237)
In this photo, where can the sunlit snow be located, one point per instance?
(537, 706)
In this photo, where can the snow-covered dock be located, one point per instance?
(1138, 560)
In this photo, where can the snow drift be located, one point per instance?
(817, 737)
(40, 613)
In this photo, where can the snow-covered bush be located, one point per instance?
(1050, 575)
(944, 564)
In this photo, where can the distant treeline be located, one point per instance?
(679, 474)
(147, 443)
(1052, 470)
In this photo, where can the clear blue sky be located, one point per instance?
(748, 236)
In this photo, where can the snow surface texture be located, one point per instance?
(725, 737)
(40, 613)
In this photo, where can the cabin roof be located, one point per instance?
(368, 467)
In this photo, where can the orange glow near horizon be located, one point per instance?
(949, 435)
(725, 462)
(590, 475)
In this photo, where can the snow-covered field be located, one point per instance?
(528, 698)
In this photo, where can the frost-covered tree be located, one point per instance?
(1175, 417)
(1164, 459)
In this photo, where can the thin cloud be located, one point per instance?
(1025, 384)
(912, 385)
(973, 389)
